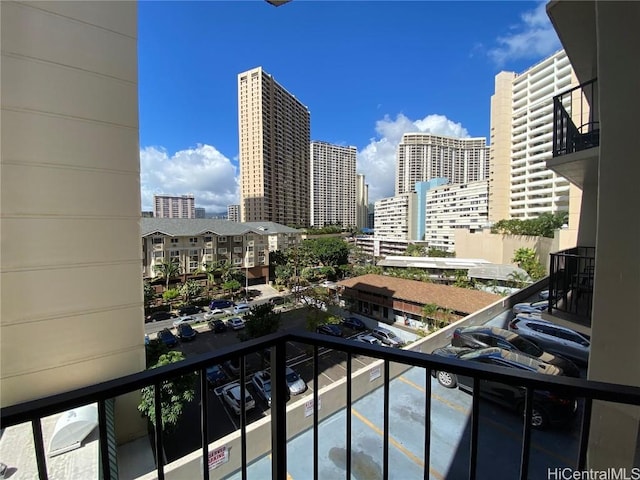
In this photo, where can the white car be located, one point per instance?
(241, 308)
(212, 313)
(186, 319)
(235, 323)
(370, 339)
(231, 395)
(295, 383)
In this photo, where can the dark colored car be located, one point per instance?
(276, 300)
(218, 326)
(186, 332)
(189, 310)
(221, 304)
(167, 337)
(533, 307)
(216, 376)
(548, 408)
(354, 324)
(330, 329)
(233, 366)
(483, 337)
(158, 316)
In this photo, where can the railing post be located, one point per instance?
(278, 411)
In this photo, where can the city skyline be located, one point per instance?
(188, 108)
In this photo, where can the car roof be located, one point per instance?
(495, 331)
(523, 360)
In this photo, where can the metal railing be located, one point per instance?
(35, 410)
(571, 275)
(576, 123)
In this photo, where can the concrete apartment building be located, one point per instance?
(195, 243)
(395, 217)
(521, 185)
(362, 202)
(200, 212)
(453, 207)
(174, 206)
(274, 131)
(71, 298)
(333, 185)
(423, 156)
(233, 213)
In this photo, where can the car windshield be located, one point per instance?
(525, 346)
(292, 377)
(391, 334)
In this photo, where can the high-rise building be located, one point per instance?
(521, 185)
(333, 185)
(362, 202)
(233, 213)
(274, 136)
(423, 156)
(395, 217)
(174, 206)
(200, 212)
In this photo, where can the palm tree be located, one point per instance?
(167, 270)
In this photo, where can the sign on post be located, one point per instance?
(218, 456)
(308, 407)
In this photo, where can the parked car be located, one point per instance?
(543, 295)
(354, 324)
(189, 310)
(231, 395)
(220, 304)
(147, 340)
(185, 332)
(368, 338)
(185, 319)
(216, 376)
(262, 384)
(212, 313)
(236, 323)
(233, 366)
(295, 383)
(533, 307)
(387, 337)
(483, 337)
(218, 326)
(241, 308)
(548, 408)
(553, 338)
(158, 316)
(167, 337)
(330, 329)
(276, 300)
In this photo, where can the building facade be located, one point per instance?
(194, 244)
(521, 185)
(395, 217)
(333, 185)
(233, 213)
(174, 206)
(362, 202)
(274, 131)
(423, 156)
(453, 207)
(200, 212)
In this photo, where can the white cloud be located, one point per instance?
(203, 171)
(534, 37)
(377, 161)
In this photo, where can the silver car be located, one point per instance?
(387, 337)
(231, 395)
(534, 307)
(295, 383)
(553, 338)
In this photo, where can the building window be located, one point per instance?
(222, 239)
(207, 239)
(222, 251)
(237, 249)
(237, 239)
(174, 240)
(158, 240)
(237, 261)
(193, 240)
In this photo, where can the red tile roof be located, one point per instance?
(458, 299)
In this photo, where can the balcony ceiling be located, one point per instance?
(579, 168)
(575, 24)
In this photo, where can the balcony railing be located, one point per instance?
(571, 281)
(576, 123)
(34, 411)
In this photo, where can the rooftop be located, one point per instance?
(180, 227)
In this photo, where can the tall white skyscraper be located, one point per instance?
(174, 206)
(521, 186)
(424, 156)
(362, 202)
(274, 136)
(333, 185)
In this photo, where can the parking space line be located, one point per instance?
(396, 444)
(492, 422)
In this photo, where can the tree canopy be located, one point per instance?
(527, 259)
(261, 320)
(542, 226)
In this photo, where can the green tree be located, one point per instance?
(543, 226)
(232, 285)
(415, 250)
(518, 279)
(261, 320)
(149, 292)
(429, 311)
(170, 294)
(174, 394)
(438, 252)
(331, 251)
(526, 259)
(190, 289)
(167, 270)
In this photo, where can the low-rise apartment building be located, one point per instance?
(195, 243)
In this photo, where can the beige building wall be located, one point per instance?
(71, 309)
(500, 148)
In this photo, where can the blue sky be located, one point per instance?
(368, 71)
